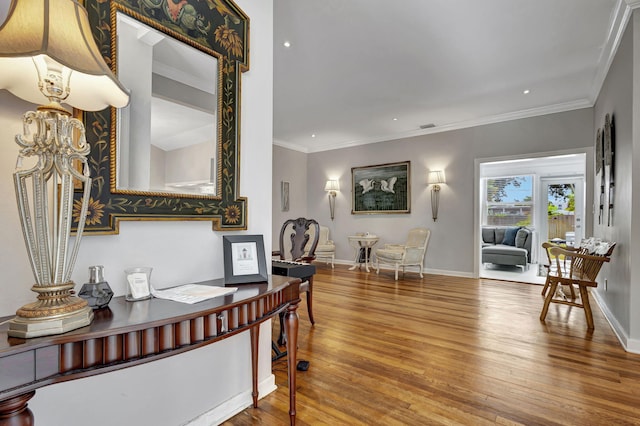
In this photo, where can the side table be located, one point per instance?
(364, 243)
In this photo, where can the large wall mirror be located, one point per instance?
(173, 153)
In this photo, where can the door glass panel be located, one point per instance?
(561, 209)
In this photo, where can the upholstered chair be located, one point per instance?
(411, 253)
(326, 248)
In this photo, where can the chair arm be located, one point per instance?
(393, 247)
(413, 254)
(275, 253)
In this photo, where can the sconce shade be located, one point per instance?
(435, 177)
(55, 34)
(332, 185)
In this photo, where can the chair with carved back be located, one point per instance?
(582, 271)
(298, 241)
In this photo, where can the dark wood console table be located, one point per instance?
(132, 333)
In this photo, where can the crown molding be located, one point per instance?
(516, 115)
(619, 19)
(288, 145)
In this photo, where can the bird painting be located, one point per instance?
(387, 185)
(367, 185)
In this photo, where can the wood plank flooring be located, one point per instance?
(449, 351)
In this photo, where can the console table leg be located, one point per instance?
(14, 411)
(291, 323)
(255, 337)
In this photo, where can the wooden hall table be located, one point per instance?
(132, 333)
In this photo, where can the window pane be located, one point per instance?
(509, 200)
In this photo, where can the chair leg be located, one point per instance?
(546, 286)
(584, 294)
(573, 293)
(421, 276)
(377, 266)
(547, 300)
(310, 301)
(332, 258)
(396, 272)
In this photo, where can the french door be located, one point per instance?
(561, 210)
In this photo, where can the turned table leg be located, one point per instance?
(14, 411)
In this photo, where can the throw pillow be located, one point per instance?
(521, 237)
(510, 236)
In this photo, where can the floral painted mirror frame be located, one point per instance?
(217, 27)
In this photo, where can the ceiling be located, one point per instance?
(364, 71)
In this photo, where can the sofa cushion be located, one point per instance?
(521, 237)
(509, 238)
(504, 250)
(488, 236)
(499, 235)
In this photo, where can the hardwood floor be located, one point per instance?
(450, 351)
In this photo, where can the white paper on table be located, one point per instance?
(192, 293)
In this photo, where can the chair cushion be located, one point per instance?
(390, 254)
(325, 248)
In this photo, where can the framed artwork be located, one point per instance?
(600, 178)
(608, 154)
(381, 189)
(284, 195)
(244, 259)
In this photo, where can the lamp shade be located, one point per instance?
(55, 32)
(332, 185)
(435, 177)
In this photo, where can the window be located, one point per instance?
(508, 201)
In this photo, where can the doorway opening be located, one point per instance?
(545, 195)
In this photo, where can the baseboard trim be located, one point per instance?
(233, 406)
(413, 269)
(628, 344)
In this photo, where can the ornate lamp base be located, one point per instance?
(55, 312)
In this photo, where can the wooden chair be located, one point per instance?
(583, 270)
(552, 265)
(298, 241)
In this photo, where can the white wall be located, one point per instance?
(178, 389)
(451, 247)
(289, 166)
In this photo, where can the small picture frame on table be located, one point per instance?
(244, 259)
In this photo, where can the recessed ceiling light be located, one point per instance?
(526, 91)
(313, 136)
(287, 44)
(395, 119)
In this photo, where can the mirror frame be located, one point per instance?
(224, 36)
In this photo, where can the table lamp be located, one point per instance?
(48, 56)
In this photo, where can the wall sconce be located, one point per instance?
(435, 178)
(48, 56)
(332, 187)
